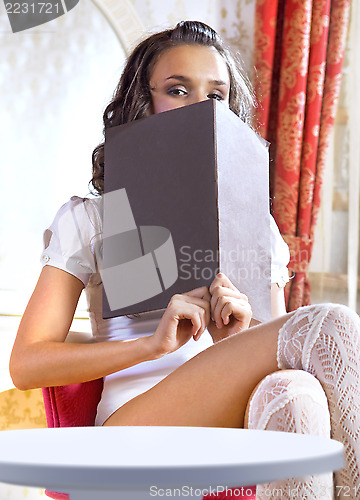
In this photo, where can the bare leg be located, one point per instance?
(213, 388)
(292, 401)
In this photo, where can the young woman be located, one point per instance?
(168, 367)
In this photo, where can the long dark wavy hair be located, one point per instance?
(132, 99)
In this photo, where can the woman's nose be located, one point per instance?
(198, 96)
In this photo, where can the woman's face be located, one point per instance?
(188, 74)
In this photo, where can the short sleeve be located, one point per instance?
(69, 240)
(280, 256)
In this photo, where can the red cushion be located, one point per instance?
(56, 495)
(72, 405)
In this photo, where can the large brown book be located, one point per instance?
(186, 196)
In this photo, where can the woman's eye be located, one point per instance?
(177, 91)
(218, 97)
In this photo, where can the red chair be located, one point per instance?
(75, 406)
(71, 406)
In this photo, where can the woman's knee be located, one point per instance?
(311, 324)
(345, 320)
(339, 315)
(289, 400)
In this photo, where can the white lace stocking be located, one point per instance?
(324, 340)
(292, 401)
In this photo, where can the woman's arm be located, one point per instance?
(41, 358)
(277, 303)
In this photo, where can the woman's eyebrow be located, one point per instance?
(218, 82)
(182, 78)
(178, 77)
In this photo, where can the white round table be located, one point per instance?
(137, 463)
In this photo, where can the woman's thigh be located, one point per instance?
(213, 388)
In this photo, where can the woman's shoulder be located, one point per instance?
(80, 214)
(82, 206)
(73, 236)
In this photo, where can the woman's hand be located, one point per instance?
(187, 315)
(230, 310)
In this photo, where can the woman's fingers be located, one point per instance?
(226, 306)
(192, 306)
(220, 291)
(200, 296)
(220, 286)
(202, 292)
(241, 310)
(191, 311)
(200, 330)
(222, 295)
(187, 315)
(221, 280)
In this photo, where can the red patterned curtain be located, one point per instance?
(299, 49)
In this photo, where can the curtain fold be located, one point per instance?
(299, 49)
